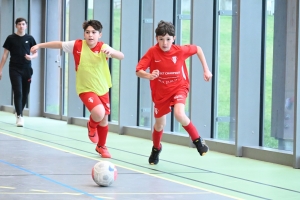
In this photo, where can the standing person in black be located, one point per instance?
(18, 45)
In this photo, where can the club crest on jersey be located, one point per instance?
(179, 96)
(174, 59)
(91, 100)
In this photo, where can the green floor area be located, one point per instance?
(226, 175)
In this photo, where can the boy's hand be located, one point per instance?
(28, 57)
(34, 49)
(207, 75)
(108, 51)
(154, 74)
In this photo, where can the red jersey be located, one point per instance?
(173, 74)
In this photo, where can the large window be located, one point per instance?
(146, 41)
(66, 58)
(54, 71)
(183, 27)
(115, 63)
(268, 140)
(89, 16)
(224, 72)
(280, 75)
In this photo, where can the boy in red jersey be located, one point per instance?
(93, 78)
(170, 84)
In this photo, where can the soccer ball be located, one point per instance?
(104, 173)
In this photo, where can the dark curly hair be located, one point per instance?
(164, 28)
(93, 23)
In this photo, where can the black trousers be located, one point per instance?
(20, 81)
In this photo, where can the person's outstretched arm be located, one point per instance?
(206, 72)
(146, 75)
(3, 60)
(143, 65)
(112, 53)
(32, 56)
(50, 45)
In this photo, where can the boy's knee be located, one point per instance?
(103, 122)
(179, 116)
(18, 93)
(158, 126)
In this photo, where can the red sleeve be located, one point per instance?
(76, 52)
(188, 50)
(144, 62)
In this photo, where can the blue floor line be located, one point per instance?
(49, 179)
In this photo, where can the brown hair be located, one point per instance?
(93, 23)
(164, 28)
(20, 19)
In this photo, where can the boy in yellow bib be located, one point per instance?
(93, 78)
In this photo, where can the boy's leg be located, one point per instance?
(102, 131)
(26, 82)
(16, 83)
(94, 105)
(185, 121)
(156, 138)
(92, 129)
(190, 128)
(102, 128)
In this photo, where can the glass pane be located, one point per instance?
(223, 81)
(90, 15)
(53, 79)
(66, 61)
(115, 63)
(90, 11)
(268, 140)
(145, 103)
(183, 29)
(283, 76)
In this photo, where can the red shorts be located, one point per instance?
(165, 107)
(90, 100)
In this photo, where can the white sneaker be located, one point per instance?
(20, 121)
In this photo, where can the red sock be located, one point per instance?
(92, 123)
(102, 135)
(156, 137)
(192, 131)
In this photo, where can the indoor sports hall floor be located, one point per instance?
(49, 159)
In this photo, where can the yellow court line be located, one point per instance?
(150, 193)
(105, 197)
(101, 193)
(44, 191)
(48, 193)
(153, 175)
(10, 188)
(52, 193)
